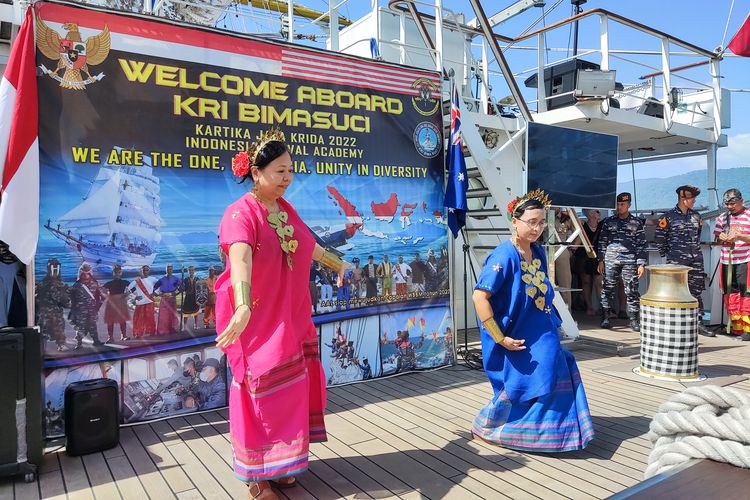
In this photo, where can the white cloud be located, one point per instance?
(737, 153)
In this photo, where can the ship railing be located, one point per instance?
(409, 54)
(670, 96)
(677, 108)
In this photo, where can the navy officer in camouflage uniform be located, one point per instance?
(52, 296)
(622, 253)
(86, 297)
(678, 237)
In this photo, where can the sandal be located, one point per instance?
(285, 482)
(262, 491)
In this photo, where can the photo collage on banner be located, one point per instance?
(135, 174)
(174, 383)
(349, 350)
(416, 339)
(55, 382)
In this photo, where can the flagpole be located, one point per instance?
(456, 203)
(465, 248)
(30, 282)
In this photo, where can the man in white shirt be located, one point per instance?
(401, 272)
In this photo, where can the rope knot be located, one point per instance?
(701, 422)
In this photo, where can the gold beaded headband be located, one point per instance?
(243, 160)
(271, 135)
(536, 194)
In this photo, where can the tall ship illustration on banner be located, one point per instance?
(117, 222)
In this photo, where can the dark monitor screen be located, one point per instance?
(575, 168)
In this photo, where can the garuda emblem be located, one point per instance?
(72, 54)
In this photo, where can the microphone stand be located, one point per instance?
(472, 359)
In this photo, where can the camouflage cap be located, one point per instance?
(732, 195)
(688, 188)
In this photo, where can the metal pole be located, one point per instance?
(290, 15)
(439, 35)
(333, 25)
(466, 294)
(30, 283)
(501, 61)
(576, 10)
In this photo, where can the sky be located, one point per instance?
(700, 22)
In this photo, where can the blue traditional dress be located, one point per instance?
(539, 402)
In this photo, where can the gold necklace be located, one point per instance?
(278, 221)
(533, 278)
(514, 241)
(266, 204)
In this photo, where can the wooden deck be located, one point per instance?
(402, 437)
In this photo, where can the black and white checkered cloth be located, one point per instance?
(669, 341)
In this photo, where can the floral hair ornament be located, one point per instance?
(536, 194)
(243, 160)
(241, 164)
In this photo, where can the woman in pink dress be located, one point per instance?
(263, 311)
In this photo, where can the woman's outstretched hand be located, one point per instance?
(513, 344)
(235, 327)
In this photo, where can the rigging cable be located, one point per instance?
(531, 26)
(361, 322)
(729, 17)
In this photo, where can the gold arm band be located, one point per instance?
(241, 294)
(331, 260)
(494, 329)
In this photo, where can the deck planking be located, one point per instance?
(401, 437)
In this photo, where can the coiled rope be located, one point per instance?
(701, 422)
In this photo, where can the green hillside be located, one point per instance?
(660, 193)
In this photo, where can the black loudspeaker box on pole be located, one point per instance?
(91, 416)
(20, 402)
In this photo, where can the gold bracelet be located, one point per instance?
(494, 329)
(241, 294)
(331, 260)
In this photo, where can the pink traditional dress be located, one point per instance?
(277, 397)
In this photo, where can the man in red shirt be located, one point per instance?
(733, 230)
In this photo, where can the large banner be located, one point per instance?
(139, 121)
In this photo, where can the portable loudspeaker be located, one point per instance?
(91, 416)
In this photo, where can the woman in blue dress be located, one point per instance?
(539, 403)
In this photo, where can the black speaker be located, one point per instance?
(91, 416)
(21, 402)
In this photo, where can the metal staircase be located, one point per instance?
(496, 175)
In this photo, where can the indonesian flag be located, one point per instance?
(19, 147)
(740, 43)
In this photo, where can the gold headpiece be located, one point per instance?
(273, 134)
(536, 194)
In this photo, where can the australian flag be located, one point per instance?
(455, 192)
